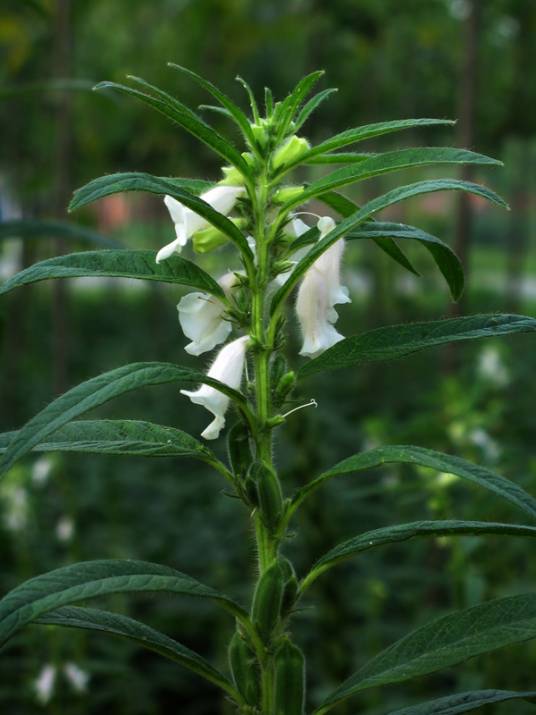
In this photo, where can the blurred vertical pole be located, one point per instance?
(62, 186)
(517, 235)
(466, 125)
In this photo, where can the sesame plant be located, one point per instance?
(287, 259)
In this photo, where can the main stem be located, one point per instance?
(267, 545)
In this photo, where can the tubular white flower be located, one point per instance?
(228, 368)
(187, 222)
(319, 292)
(201, 317)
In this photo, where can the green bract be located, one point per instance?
(255, 210)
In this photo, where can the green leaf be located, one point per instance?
(115, 624)
(184, 117)
(234, 111)
(396, 341)
(443, 643)
(137, 181)
(97, 391)
(367, 211)
(292, 102)
(464, 702)
(387, 162)
(368, 131)
(408, 454)
(24, 228)
(446, 260)
(311, 106)
(124, 263)
(341, 157)
(402, 532)
(134, 181)
(121, 437)
(345, 207)
(88, 579)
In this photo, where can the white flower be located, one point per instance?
(77, 677)
(65, 529)
(492, 368)
(201, 318)
(44, 684)
(41, 470)
(319, 292)
(227, 368)
(187, 222)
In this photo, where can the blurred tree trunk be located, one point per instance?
(466, 125)
(517, 235)
(62, 186)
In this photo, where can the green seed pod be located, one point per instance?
(289, 680)
(239, 449)
(269, 494)
(290, 151)
(244, 669)
(285, 385)
(267, 600)
(291, 585)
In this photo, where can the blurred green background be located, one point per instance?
(390, 59)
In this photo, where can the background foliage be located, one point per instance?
(389, 59)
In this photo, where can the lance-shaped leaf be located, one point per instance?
(138, 264)
(444, 643)
(137, 181)
(367, 211)
(232, 109)
(341, 157)
(134, 181)
(119, 437)
(291, 104)
(387, 162)
(184, 117)
(88, 579)
(464, 702)
(97, 391)
(93, 619)
(26, 228)
(396, 341)
(310, 106)
(446, 260)
(402, 532)
(408, 454)
(367, 131)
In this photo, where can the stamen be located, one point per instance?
(311, 403)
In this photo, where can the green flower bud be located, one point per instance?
(287, 193)
(260, 132)
(210, 238)
(289, 680)
(239, 449)
(289, 152)
(285, 385)
(232, 176)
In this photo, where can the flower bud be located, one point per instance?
(269, 494)
(239, 449)
(287, 193)
(260, 132)
(289, 152)
(232, 177)
(211, 238)
(285, 385)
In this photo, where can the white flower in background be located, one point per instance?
(65, 529)
(17, 507)
(187, 222)
(41, 470)
(44, 684)
(319, 292)
(77, 677)
(492, 368)
(227, 368)
(487, 444)
(201, 317)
